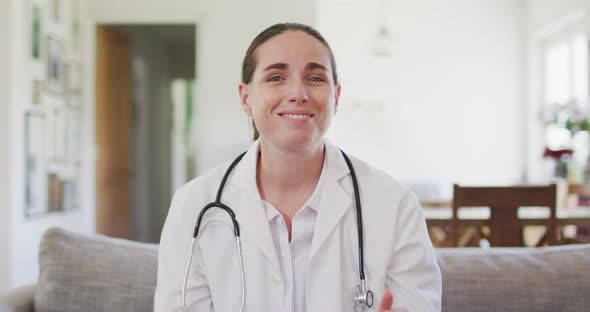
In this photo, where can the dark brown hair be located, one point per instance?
(250, 61)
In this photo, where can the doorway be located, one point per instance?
(145, 78)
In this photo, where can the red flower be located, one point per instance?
(557, 154)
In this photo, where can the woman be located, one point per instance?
(294, 200)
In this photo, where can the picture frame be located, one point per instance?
(73, 77)
(36, 31)
(36, 92)
(61, 134)
(55, 65)
(74, 101)
(54, 192)
(35, 190)
(72, 137)
(51, 135)
(56, 11)
(75, 26)
(69, 194)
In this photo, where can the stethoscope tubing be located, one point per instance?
(359, 217)
(218, 204)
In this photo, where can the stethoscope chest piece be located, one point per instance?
(363, 298)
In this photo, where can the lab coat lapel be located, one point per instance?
(248, 207)
(335, 200)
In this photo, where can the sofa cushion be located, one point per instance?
(516, 279)
(94, 273)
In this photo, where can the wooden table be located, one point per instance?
(438, 214)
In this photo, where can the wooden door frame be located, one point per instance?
(113, 130)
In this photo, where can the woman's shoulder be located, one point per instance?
(376, 175)
(382, 184)
(204, 183)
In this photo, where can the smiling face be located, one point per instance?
(292, 96)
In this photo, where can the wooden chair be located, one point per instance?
(505, 226)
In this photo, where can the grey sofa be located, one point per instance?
(97, 273)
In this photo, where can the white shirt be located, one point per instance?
(293, 257)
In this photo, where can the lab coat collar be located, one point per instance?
(244, 176)
(248, 207)
(250, 213)
(335, 200)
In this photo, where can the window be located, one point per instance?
(565, 95)
(566, 70)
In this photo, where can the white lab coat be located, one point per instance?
(398, 251)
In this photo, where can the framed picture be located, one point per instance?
(75, 26)
(60, 135)
(51, 135)
(54, 192)
(56, 11)
(72, 134)
(36, 31)
(55, 65)
(36, 92)
(73, 77)
(74, 100)
(35, 165)
(69, 195)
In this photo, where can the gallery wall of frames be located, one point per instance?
(52, 119)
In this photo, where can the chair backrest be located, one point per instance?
(504, 201)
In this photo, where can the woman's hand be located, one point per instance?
(386, 303)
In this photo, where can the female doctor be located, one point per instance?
(301, 246)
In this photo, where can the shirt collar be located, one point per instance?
(314, 200)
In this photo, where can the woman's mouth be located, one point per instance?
(296, 115)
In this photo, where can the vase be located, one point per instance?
(560, 171)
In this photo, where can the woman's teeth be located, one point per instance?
(296, 116)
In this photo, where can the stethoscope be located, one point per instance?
(363, 297)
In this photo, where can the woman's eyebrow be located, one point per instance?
(309, 66)
(276, 66)
(313, 65)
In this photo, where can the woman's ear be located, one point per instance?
(336, 97)
(244, 93)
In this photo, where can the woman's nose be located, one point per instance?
(298, 92)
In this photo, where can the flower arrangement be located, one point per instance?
(557, 154)
(573, 115)
(564, 121)
(560, 158)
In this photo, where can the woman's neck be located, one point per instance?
(287, 179)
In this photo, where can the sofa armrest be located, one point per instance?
(18, 299)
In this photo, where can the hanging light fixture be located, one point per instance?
(384, 41)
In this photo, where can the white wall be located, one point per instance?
(543, 17)
(543, 13)
(5, 141)
(448, 107)
(20, 236)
